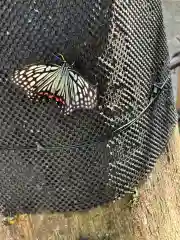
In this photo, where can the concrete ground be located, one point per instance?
(171, 10)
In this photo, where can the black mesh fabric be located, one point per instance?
(119, 45)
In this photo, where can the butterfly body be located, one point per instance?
(59, 82)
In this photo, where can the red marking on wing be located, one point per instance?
(52, 96)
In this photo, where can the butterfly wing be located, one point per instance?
(82, 93)
(37, 78)
(60, 81)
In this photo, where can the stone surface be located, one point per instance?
(171, 10)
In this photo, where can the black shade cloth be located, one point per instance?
(119, 45)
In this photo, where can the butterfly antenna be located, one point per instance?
(60, 56)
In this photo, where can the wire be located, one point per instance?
(159, 90)
(156, 92)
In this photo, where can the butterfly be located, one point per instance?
(58, 82)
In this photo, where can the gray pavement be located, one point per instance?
(171, 11)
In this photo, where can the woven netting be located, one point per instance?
(121, 47)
